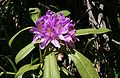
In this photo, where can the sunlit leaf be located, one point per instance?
(5, 72)
(34, 13)
(24, 52)
(83, 65)
(65, 70)
(91, 31)
(1, 73)
(40, 73)
(11, 40)
(65, 13)
(10, 73)
(118, 21)
(24, 69)
(51, 67)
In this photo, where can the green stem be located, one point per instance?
(44, 54)
(48, 50)
(41, 59)
(89, 40)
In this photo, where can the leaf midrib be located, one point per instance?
(83, 66)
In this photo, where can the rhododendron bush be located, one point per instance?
(48, 41)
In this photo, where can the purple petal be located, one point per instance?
(61, 37)
(36, 37)
(44, 43)
(70, 44)
(72, 32)
(68, 39)
(61, 13)
(51, 28)
(55, 43)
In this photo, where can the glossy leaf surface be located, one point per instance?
(83, 65)
(24, 69)
(24, 52)
(91, 31)
(51, 67)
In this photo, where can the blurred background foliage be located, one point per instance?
(15, 15)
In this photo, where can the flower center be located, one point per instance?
(49, 31)
(41, 28)
(59, 28)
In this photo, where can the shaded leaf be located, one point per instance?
(34, 61)
(65, 70)
(54, 7)
(13, 65)
(65, 13)
(24, 69)
(11, 40)
(83, 65)
(3, 70)
(50, 67)
(24, 52)
(91, 31)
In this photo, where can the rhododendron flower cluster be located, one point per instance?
(53, 29)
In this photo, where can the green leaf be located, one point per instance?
(13, 65)
(52, 6)
(1, 73)
(65, 71)
(91, 31)
(34, 13)
(65, 12)
(3, 70)
(118, 21)
(24, 69)
(34, 61)
(11, 40)
(50, 67)
(83, 65)
(40, 73)
(24, 52)
(10, 73)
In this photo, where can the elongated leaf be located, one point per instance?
(3, 70)
(13, 65)
(65, 71)
(24, 52)
(91, 31)
(34, 61)
(83, 65)
(10, 73)
(51, 67)
(24, 69)
(1, 73)
(65, 13)
(55, 7)
(11, 40)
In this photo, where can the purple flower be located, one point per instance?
(54, 29)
